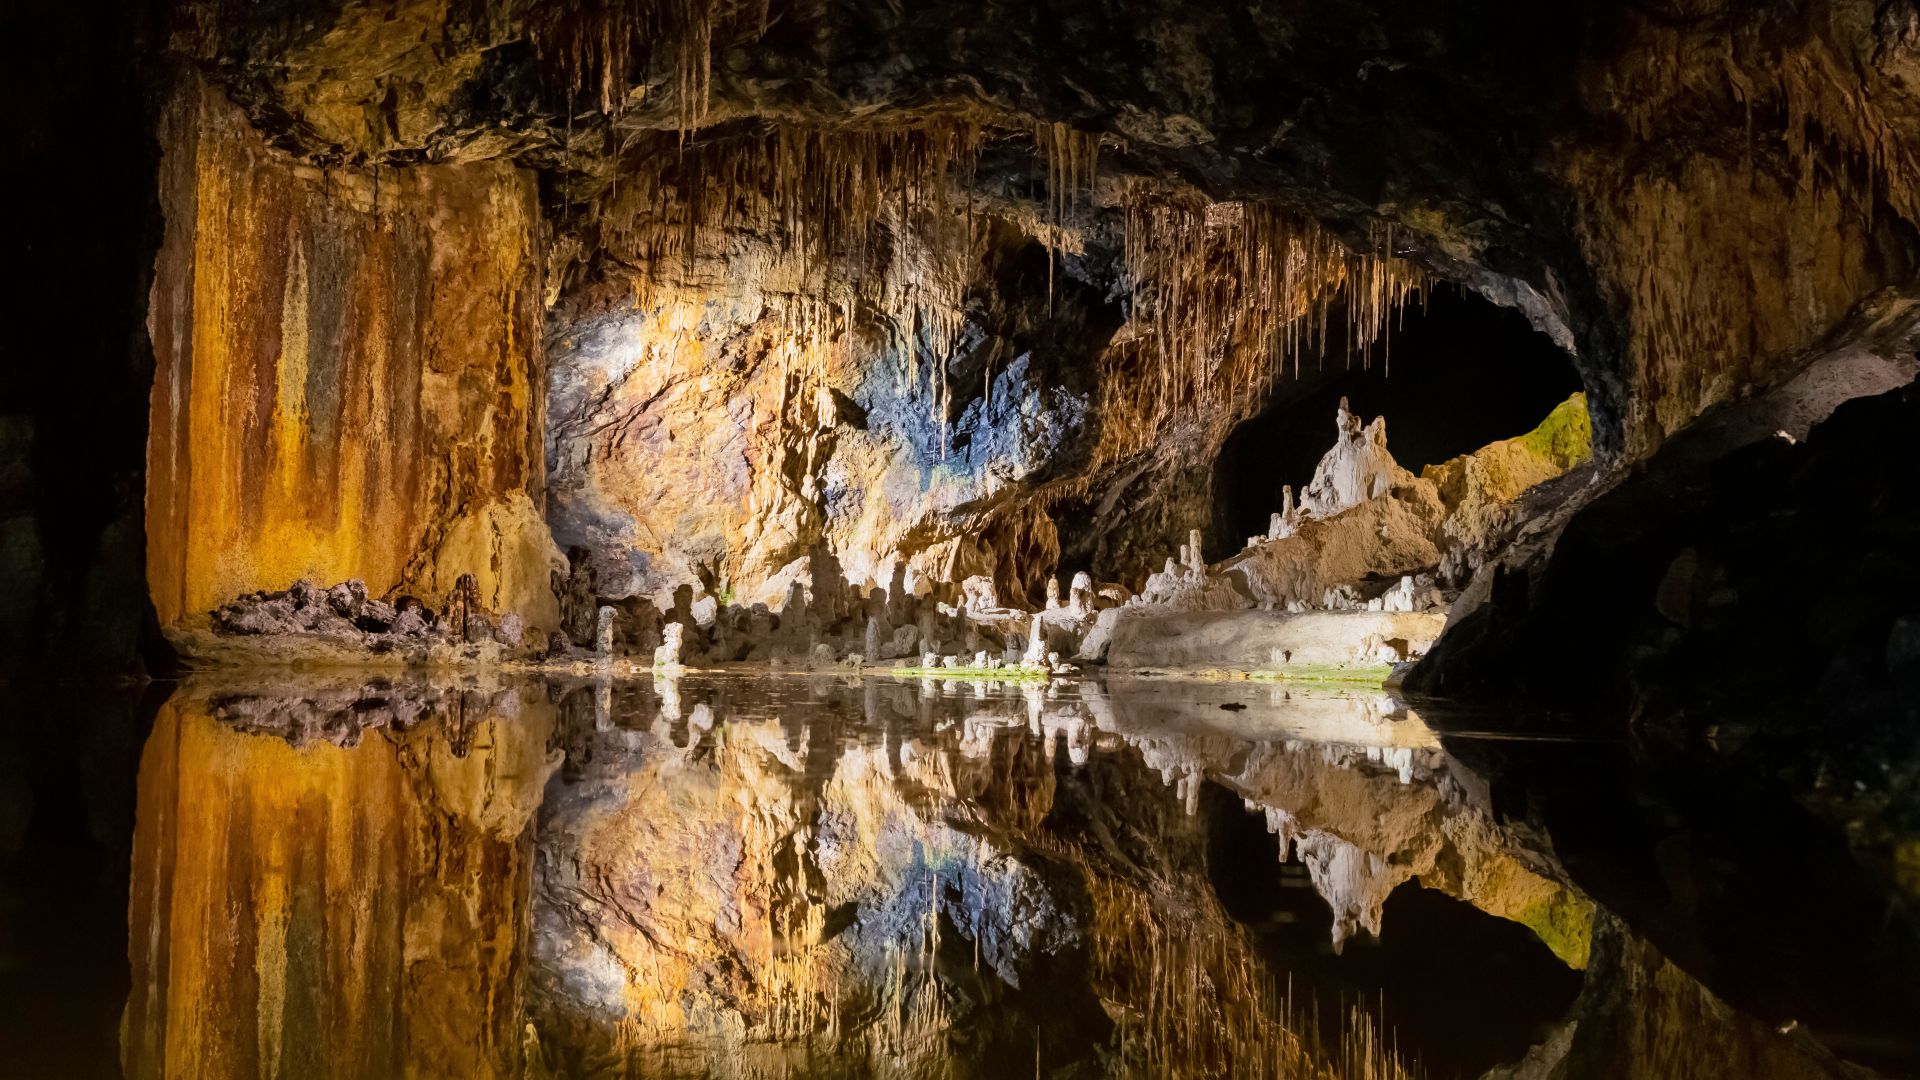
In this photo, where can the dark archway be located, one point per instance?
(1456, 375)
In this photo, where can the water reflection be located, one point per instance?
(315, 897)
(744, 876)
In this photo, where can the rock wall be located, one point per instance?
(349, 374)
(1759, 185)
(711, 424)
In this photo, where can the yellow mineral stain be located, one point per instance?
(405, 323)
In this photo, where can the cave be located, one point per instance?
(1455, 373)
(612, 538)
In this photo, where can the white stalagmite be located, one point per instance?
(1358, 468)
(668, 654)
(1036, 643)
(1080, 597)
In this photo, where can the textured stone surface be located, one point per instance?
(348, 374)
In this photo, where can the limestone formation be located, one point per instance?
(603, 633)
(1357, 469)
(667, 656)
(344, 624)
(1036, 654)
(578, 597)
(1080, 596)
(979, 593)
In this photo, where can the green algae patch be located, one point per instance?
(1329, 674)
(1005, 674)
(1564, 924)
(1565, 437)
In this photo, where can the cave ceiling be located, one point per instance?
(1442, 119)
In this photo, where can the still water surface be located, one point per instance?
(733, 874)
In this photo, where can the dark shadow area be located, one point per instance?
(69, 759)
(1717, 860)
(1470, 990)
(1453, 377)
(81, 161)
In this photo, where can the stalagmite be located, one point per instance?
(900, 601)
(1282, 524)
(794, 625)
(1195, 561)
(1080, 596)
(667, 656)
(1053, 592)
(980, 593)
(603, 632)
(1036, 654)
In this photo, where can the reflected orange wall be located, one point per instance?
(345, 362)
(320, 912)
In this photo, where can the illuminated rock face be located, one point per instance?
(714, 436)
(347, 381)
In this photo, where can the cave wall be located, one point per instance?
(710, 429)
(1756, 182)
(349, 371)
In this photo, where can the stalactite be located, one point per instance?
(1227, 297)
(1071, 159)
(593, 44)
(858, 218)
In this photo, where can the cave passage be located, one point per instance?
(1457, 373)
(1075, 538)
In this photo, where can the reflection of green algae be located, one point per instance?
(1345, 676)
(1563, 923)
(1006, 674)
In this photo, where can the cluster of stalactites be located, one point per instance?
(816, 192)
(1072, 160)
(848, 218)
(1228, 296)
(592, 45)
